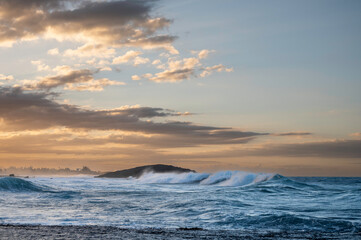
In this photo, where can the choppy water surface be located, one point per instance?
(224, 201)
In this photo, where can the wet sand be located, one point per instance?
(20, 232)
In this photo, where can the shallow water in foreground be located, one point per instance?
(221, 201)
(25, 232)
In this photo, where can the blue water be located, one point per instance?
(224, 200)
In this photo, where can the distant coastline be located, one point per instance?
(30, 171)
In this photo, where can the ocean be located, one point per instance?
(222, 201)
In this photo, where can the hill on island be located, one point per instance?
(138, 171)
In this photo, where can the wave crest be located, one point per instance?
(222, 178)
(17, 185)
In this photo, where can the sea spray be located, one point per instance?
(181, 178)
(222, 178)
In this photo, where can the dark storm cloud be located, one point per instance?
(114, 23)
(21, 110)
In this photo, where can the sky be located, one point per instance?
(261, 86)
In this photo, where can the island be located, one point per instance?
(138, 171)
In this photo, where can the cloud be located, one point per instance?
(181, 141)
(177, 70)
(342, 149)
(64, 144)
(293, 134)
(147, 75)
(6, 77)
(325, 149)
(59, 143)
(21, 110)
(203, 53)
(136, 78)
(219, 68)
(131, 56)
(128, 56)
(105, 69)
(102, 27)
(173, 75)
(79, 80)
(90, 50)
(356, 134)
(53, 51)
(113, 23)
(40, 65)
(93, 85)
(156, 62)
(140, 60)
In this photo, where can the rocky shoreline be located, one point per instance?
(138, 171)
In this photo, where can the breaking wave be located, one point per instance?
(18, 185)
(223, 178)
(254, 201)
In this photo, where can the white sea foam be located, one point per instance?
(191, 177)
(244, 178)
(222, 178)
